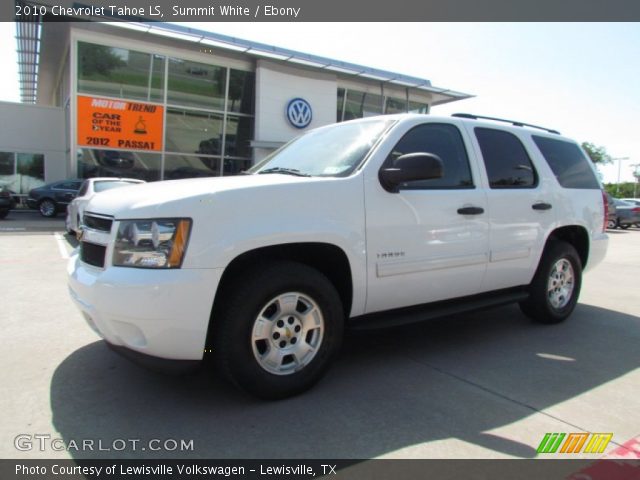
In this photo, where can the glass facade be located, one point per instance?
(118, 163)
(208, 121)
(357, 104)
(116, 72)
(21, 171)
(208, 112)
(196, 84)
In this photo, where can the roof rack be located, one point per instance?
(512, 122)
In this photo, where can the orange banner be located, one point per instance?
(105, 123)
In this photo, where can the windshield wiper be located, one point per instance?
(286, 171)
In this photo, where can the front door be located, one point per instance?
(430, 240)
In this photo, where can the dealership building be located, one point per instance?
(158, 101)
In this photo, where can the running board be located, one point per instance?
(429, 311)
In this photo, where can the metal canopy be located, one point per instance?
(28, 49)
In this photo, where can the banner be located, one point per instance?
(119, 124)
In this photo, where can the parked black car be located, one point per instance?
(6, 201)
(53, 198)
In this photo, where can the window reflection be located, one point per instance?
(353, 104)
(189, 131)
(118, 72)
(115, 163)
(196, 84)
(395, 105)
(187, 166)
(239, 135)
(241, 92)
(21, 172)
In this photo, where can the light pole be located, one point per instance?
(636, 176)
(619, 159)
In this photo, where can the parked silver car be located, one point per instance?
(627, 214)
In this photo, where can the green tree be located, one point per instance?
(624, 190)
(597, 154)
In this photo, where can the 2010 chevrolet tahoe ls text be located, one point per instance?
(378, 220)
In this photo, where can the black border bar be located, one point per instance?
(330, 10)
(552, 469)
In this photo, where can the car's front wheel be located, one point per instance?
(554, 290)
(277, 329)
(47, 208)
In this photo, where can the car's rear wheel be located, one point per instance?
(47, 208)
(278, 329)
(554, 290)
(4, 213)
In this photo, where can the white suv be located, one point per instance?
(382, 220)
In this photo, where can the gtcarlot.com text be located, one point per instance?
(45, 442)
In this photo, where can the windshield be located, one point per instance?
(334, 151)
(109, 184)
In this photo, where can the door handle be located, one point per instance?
(470, 210)
(541, 206)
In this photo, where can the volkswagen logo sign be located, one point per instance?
(299, 113)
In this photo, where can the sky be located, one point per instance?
(579, 78)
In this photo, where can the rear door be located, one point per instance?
(521, 206)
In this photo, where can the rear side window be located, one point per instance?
(506, 160)
(443, 140)
(570, 166)
(109, 184)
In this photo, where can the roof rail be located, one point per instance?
(512, 122)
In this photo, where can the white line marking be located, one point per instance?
(63, 250)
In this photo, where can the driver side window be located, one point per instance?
(443, 140)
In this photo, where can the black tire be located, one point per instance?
(48, 208)
(625, 226)
(237, 353)
(4, 213)
(539, 306)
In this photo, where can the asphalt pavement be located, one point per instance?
(486, 384)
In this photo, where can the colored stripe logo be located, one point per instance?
(573, 442)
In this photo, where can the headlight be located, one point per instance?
(159, 243)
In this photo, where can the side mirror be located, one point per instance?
(410, 167)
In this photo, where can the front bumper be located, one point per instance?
(161, 313)
(157, 364)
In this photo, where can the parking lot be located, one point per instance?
(488, 384)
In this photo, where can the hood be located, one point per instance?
(172, 197)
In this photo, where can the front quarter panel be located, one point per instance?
(320, 210)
